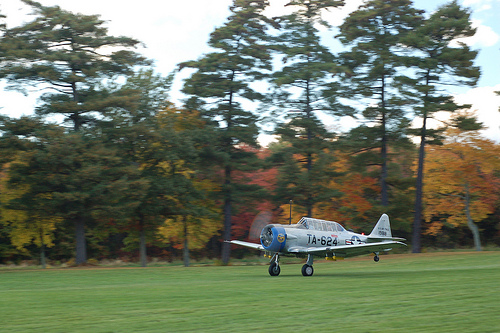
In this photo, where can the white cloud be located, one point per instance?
(485, 36)
(14, 104)
(336, 16)
(479, 5)
(486, 104)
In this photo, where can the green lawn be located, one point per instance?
(441, 292)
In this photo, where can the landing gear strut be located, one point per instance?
(376, 258)
(274, 267)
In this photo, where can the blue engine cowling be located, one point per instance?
(273, 238)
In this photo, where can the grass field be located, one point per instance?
(440, 292)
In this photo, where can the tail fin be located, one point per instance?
(382, 229)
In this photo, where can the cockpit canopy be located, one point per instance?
(320, 225)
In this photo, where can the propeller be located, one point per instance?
(259, 222)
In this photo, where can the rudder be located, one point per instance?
(382, 229)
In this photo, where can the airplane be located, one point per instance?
(321, 238)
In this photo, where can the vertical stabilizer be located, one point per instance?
(382, 228)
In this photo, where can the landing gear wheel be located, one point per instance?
(307, 270)
(274, 269)
(376, 258)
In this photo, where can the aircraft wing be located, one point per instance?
(248, 244)
(347, 250)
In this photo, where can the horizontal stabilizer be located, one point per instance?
(370, 239)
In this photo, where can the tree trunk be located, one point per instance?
(226, 247)
(309, 158)
(42, 256)
(81, 244)
(417, 221)
(142, 245)
(42, 250)
(383, 175)
(470, 223)
(384, 190)
(185, 250)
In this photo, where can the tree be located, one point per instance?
(180, 196)
(27, 217)
(70, 54)
(354, 203)
(75, 177)
(195, 221)
(24, 211)
(218, 86)
(439, 59)
(143, 139)
(374, 33)
(3, 27)
(461, 184)
(303, 86)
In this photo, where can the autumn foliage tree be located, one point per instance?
(193, 215)
(462, 183)
(26, 215)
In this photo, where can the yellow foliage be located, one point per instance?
(297, 214)
(460, 172)
(180, 119)
(27, 227)
(199, 229)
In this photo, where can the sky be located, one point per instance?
(174, 31)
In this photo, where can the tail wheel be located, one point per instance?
(307, 270)
(274, 269)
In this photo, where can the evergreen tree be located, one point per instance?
(71, 54)
(374, 32)
(73, 176)
(3, 27)
(24, 210)
(303, 86)
(439, 60)
(135, 131)
(219, 85)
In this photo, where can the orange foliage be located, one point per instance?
(265, 178)
(462, 172)
(353, 200)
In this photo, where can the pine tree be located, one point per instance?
(3, 50)
(70, 54)
(374, 32)
(303, 87)
(218, 87)
(73, 176)
(439, 60)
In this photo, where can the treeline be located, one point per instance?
(107, 167)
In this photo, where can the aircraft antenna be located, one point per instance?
(290, 219)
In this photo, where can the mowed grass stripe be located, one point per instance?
(439, 292)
